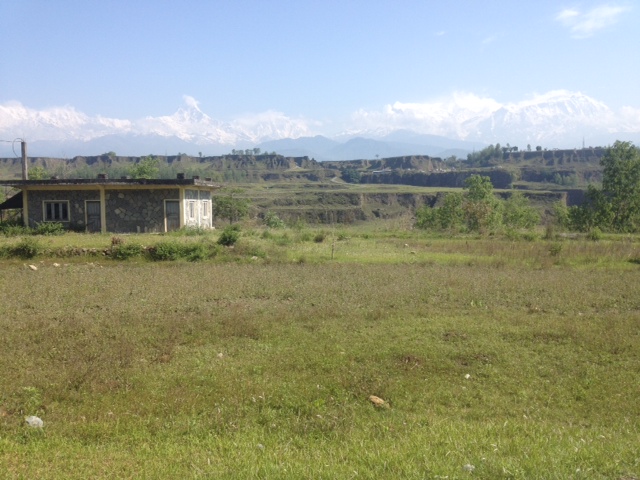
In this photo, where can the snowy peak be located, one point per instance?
(558, 118)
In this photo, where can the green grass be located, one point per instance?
(263, 368)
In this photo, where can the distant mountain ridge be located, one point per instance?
(455, 127)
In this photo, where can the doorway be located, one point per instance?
(171, 215)
(94, 219)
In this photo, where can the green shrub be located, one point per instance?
(272, 220)
(28, 247)
(167, 250)
(49, 228)
(319, 237)
(196, 252)
(555, 249)
(595, 234)
(13, 228)
(124, 251)
(189, 232)
(16, 231)
(229, 236)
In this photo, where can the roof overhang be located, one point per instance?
(108, 182)
(12, 202)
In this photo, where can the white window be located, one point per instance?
(56, 211)
(205, 209)
(191, 210)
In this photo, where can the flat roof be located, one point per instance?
(70, 182)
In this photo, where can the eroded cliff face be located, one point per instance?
(343, 207)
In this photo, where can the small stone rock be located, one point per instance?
(467, 376)
(34, 422)
(468, 468)
(56, 264)
(377, 401)
(33, 267)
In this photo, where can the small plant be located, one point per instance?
(26, 248)
(168, 250)
(550, 232)
(229, 236)
(189, 232)
(13, 228)
(49, 228)
(555, 249)
(125, 251)
(115, 240)
(595, 234)
(272, 220)
(196, 252)
(319, 237)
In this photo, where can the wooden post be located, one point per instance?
(25, 167)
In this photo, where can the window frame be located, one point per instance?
(191, 209)
(45, 211)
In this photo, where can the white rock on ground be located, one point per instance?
(34, 422)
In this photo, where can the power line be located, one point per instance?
(13, 144)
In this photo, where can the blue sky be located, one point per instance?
(320, 60)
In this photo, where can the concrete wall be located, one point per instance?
(196, 213)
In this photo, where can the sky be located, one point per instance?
(322, 61)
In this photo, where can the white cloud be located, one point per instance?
(586, 24)
(191, 102)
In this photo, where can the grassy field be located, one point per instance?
(496, 359)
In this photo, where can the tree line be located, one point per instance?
(612, 207)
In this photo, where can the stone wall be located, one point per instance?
(137, 210)
(76, 199)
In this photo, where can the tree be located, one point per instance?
(477, 209)
(146, 167)
(230, 206)
(38, 173)
(351, 175)
(256, 151)
(517, 213)
(615, 206)
(482, 210)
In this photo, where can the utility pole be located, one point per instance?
(25, 167)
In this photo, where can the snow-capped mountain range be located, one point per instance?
(460, 122)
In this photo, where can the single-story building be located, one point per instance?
(120, 206)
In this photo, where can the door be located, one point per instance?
(94, 220)
(171, 215)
